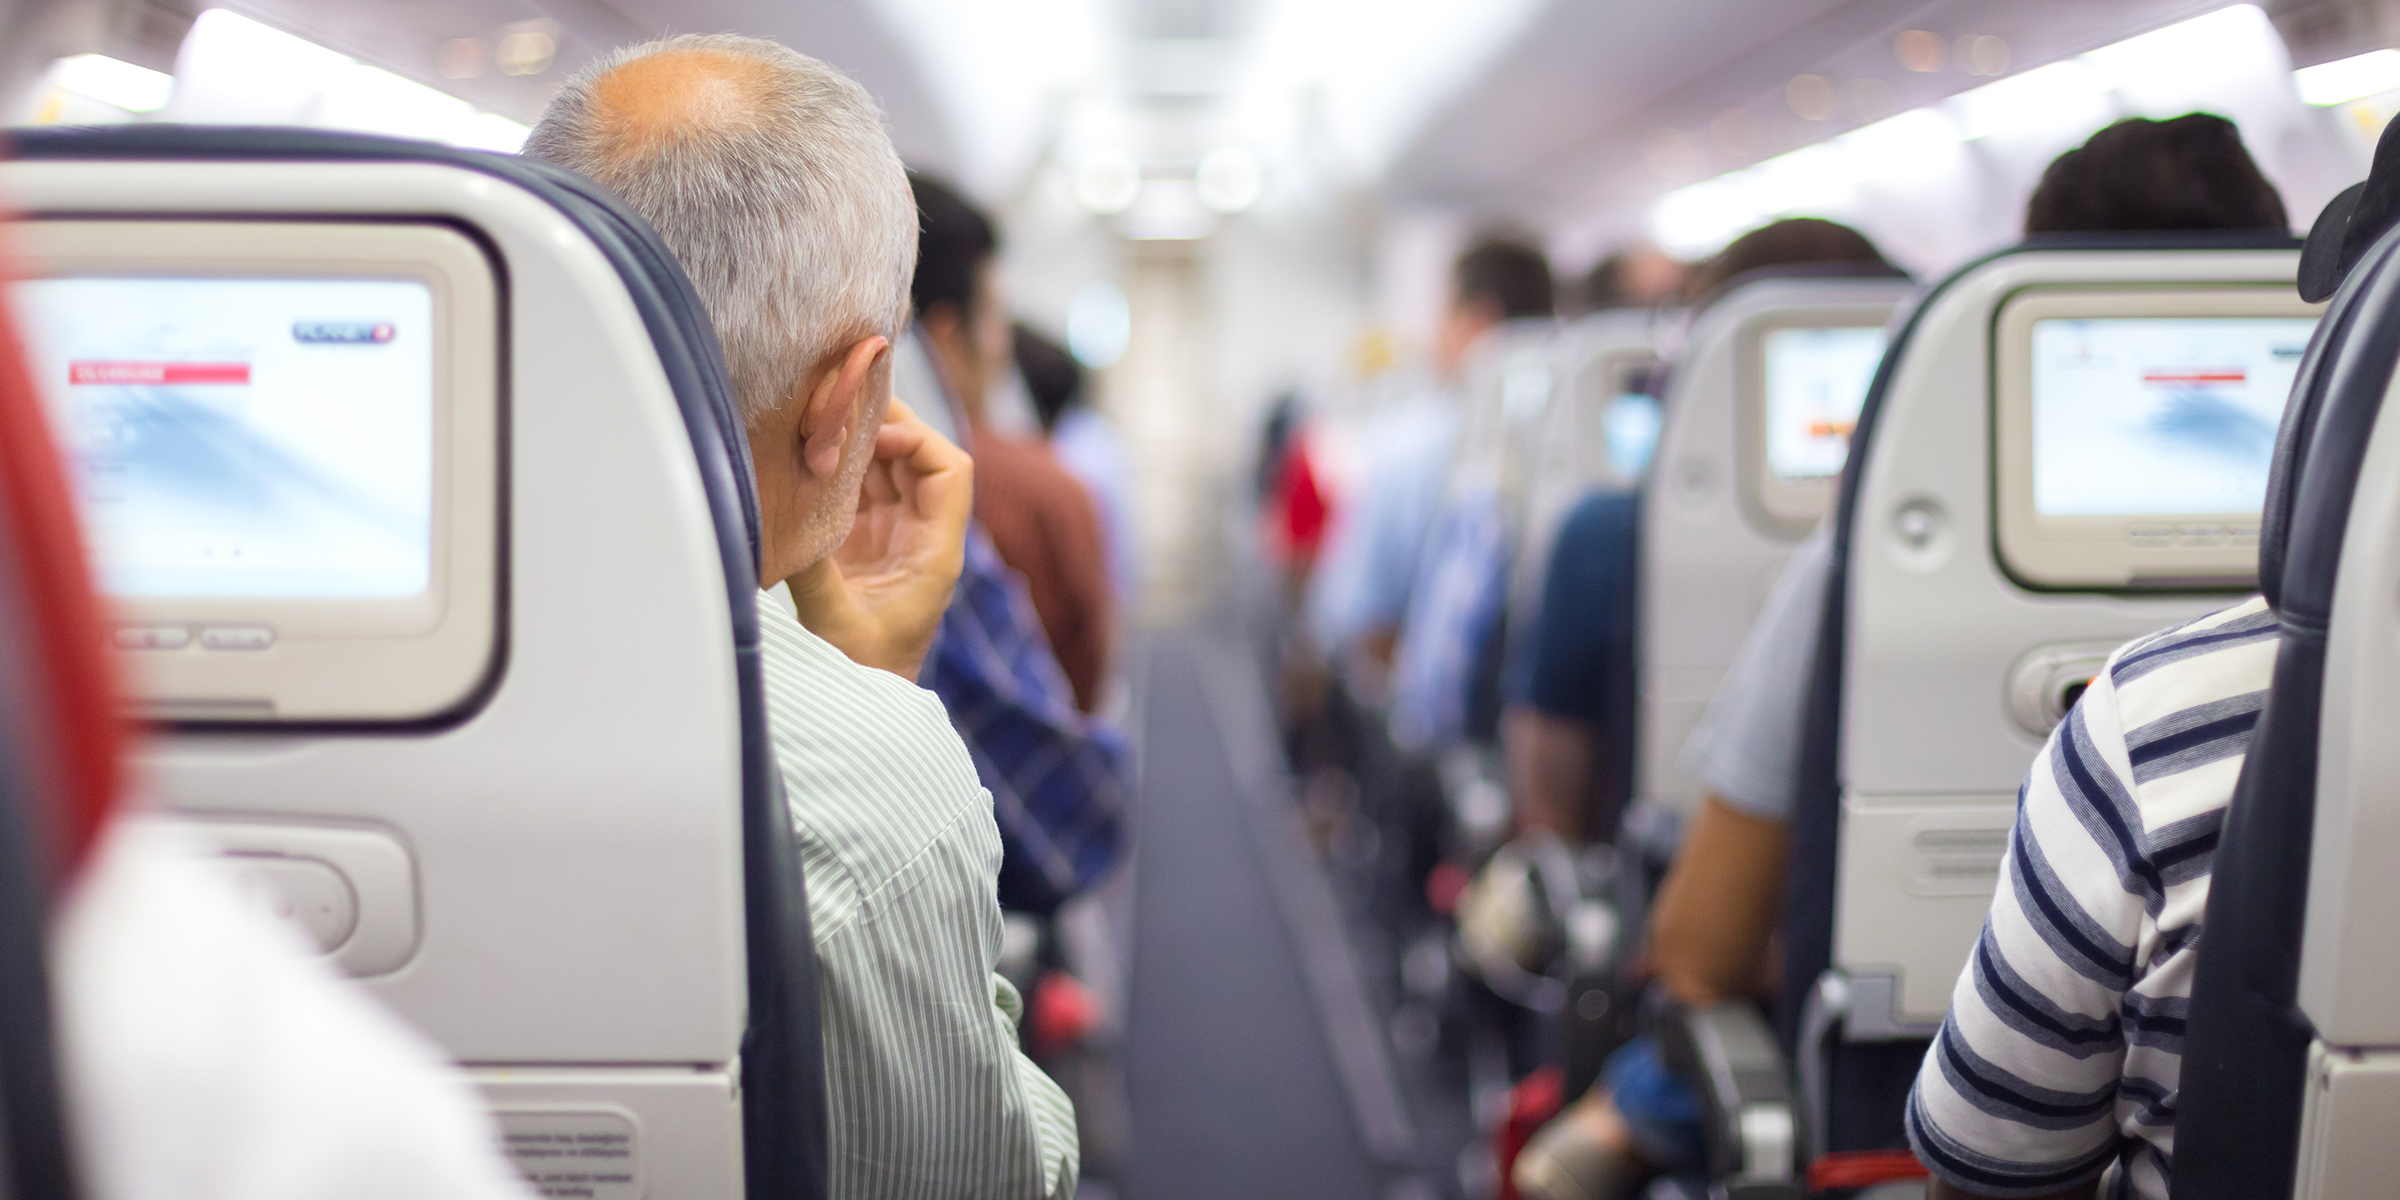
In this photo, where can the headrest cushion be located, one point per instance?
(2352, 222)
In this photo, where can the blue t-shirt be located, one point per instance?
(1578, 663)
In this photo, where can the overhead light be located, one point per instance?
(1811, 97)
(1229, 180)
(1981, 54)
(1918, 50)
(2212, 46)
(132, 88)
(526, 47)
(1107, 182)
(2061, 94)
(2348, 79)
(1099, 324)
(461, 58)
(1168, 210)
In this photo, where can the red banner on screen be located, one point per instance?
(157, 372)
(2220, 375)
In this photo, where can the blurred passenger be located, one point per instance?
(1635, 277)
(1057, 775)
(771, 176)
(1573, 678)
(1372, 552)
(1085, 443)
(1042, 521)
(1715, 916)
(1795, 241)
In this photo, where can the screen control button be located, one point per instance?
(309, 893)
(152, 637)
(237, 637)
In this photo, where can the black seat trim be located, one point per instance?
(785, 1116)
(2246, 1044)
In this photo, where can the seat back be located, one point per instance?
(1982, 571)
(1596, 432)
(1724, 507)
(574, 871)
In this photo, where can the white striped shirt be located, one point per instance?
(2063, 1051)
(931, 1098)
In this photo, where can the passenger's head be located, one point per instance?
(2188, 173)
(1794, 241)
(771, 177)
(1052, 376)
(1497, 279)
(1639, 277)
(957, 291)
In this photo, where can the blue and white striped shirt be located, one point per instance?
(2063, 1050)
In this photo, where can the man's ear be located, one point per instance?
(825, 421)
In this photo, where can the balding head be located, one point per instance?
(771, 177)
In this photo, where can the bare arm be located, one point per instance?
(1717, 909)
(1551, 762)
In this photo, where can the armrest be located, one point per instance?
(1728, 1054)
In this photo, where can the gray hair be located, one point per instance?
(793, 217)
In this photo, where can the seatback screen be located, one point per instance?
(1816, 381)
(236, 437)
(2159, 416)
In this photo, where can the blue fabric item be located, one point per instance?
(1372, 553)
(1663, 1114)
(1451, 621)
(1582, 645)
(1578, 662)
(1057, 776)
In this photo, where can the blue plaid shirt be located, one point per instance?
(1057, 776)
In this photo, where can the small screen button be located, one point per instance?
(237, 637)
(152, 637)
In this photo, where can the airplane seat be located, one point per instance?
(59, 746)
(468, 669)
(1995, 537)
(1596, 432)
(2289, 1047)
(1753, 434)
(1445, 667)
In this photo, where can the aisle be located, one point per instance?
(1237, 1089)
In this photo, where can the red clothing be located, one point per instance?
(1046, 528)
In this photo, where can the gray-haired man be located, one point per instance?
(771, 176)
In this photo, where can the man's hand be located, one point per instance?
(879, 598)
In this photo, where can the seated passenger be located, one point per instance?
(1636, 277)
(2058, 1065)
(1716, 913)
(1572, 683)
(1372, 552)
(1085, 443)
(1042, 521)
(772, 177)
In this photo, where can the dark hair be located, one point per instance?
(1604, 285)
(1794, 241)
(953, 242)
(1512, 276)
(1052, 376)
(2191, 172)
